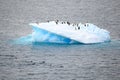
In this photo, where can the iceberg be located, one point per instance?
(64, 32)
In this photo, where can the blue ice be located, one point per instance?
(40, 35)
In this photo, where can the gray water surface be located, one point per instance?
(58, 61)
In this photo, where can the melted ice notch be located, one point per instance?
(64, 32)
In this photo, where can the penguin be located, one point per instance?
(75, 28)
(73, 24)
(77, 24)
(78, 27)
(68, 23)
(56, 22)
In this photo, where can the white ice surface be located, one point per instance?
(88, 33)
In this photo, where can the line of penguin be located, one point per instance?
(77, 27)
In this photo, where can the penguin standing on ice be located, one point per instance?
(75, 28)
(85, 25)
(77, 24)
(68, 23)
(78, 27)
(57, 21)
(73, 24)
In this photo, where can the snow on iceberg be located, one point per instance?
(64, 32)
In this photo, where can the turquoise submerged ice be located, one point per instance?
(64, 32)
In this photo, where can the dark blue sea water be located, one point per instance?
(24, 60)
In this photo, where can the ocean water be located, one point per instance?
(46, 61)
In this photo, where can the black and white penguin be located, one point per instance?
(77, 24)
(78, 27)
(68, 23)
(57, 21)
